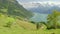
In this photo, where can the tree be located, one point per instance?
(52, 20)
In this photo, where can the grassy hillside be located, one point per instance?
(17, 26)
(10, 10)
(13, 8)
(21, 27)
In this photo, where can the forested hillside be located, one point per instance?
(13, 8)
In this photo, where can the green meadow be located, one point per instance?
(22, 27)
(14, 19)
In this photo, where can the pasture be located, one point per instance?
(22, 27)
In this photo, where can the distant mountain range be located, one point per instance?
(45, 7)
(41, 9)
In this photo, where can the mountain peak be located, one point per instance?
(42, 7)
(43, 3)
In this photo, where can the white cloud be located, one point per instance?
(43, 3)
(36, 0)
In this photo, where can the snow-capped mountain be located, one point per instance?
(42, 7)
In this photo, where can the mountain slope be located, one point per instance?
(10, 9)
(13, 8)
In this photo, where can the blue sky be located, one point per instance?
(36, 0)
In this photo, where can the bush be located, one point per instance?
(32, 22)
(10, 21)
(8, 24)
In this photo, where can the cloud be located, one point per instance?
(36, 0)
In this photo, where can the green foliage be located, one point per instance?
(17, 29)
(7, 21)
(53, 20)
(8, 25)
(13, 8)
(10, 22)
(32, 22)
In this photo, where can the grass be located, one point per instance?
(56, 31)
(22, 27)
(26, 25)
(16, 29)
